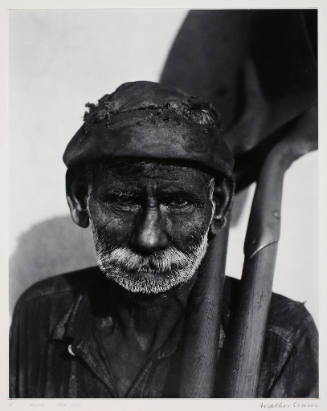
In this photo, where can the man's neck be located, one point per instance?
(150, 317)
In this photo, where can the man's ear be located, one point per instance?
(77, 194)
(222, 197)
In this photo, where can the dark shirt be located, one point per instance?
(56, 347)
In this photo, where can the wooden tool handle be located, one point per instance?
(199, 357)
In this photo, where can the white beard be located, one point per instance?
(153, 274)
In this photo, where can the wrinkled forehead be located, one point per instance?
(136, 171)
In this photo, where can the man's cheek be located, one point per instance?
(189, 234)
(189, 225)
(115, 229)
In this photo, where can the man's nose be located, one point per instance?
(149, 233)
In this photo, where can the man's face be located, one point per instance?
(150, 223)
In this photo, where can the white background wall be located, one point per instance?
(59, 60)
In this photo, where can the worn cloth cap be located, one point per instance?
(150, 121)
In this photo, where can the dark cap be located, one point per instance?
(150, 121)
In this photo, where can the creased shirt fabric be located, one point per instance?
(56, 347)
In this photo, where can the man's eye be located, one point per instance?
(124, 200)
(177, 202)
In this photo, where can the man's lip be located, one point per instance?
(151, 271)
(148, 271)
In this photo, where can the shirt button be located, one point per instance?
(70, 350)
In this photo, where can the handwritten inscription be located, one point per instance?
(293, 405)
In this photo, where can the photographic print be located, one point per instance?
(163, 203)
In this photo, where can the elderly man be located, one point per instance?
(151, 175)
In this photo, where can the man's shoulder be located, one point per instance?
(57, 286)
(287, 318)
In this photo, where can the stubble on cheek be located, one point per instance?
(112, 228)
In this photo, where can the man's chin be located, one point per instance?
(146, 282)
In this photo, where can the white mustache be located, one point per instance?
(159, 261)
(153, 274)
